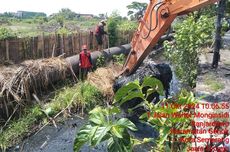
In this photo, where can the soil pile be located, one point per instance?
(104, 78)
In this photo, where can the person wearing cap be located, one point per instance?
(85, 62)
(100, 32)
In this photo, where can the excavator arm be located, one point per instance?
(157, 19)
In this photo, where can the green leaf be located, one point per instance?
(114, 110)
(144, 116)
(122, 92)
(147, 140)
(82, 137)
(164, 134)
(114, 146)
(126, 123)
(154, 83)
(117, 131)
(96, 116)
(130, 96)
(48, 111)
(101, 133)
(92, 134)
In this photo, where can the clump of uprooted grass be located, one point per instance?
(32, 77)
(103, 79)
(81, 97)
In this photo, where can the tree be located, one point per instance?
(64, 13)
(67, 13)
(228, 8)
(217, 44)
(113, 22)
(191, 34)
(60, 19)
(136, 9)
(40, 19)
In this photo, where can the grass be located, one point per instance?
(18, 129)
(212, 82)
(29, 28)
(22, 29)
(82, 97)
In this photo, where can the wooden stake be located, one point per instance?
(53, 53)
(43, 43)
(7, 51)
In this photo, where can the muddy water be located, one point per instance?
(51, 139)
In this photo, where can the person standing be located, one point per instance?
(100, 32)
(85, 62)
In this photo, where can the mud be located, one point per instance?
(60, 139)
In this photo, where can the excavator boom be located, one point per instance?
(157, 19)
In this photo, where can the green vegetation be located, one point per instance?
(18, 129)
(63, 22)
(6, 33)
(66, 22)
(212, 82)
(100, 61)
(120, 59)
(82, 96)
(118, 26)
(105, 126)
(63, 30)
(167, 140)
(190, 35)
(127, 25)
(136, 9)
(102, 127)
(113, 23)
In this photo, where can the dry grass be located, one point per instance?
(103, 79)
(18, 84)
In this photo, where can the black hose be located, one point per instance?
(157, 20)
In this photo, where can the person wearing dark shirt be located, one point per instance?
(100, 32)
(85, 62)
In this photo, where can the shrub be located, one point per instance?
(190, 36)
(112, 30)
(120, 59)
(100, 61)
(127, 25)
(63, 30)
(167, 140)
(6, 33)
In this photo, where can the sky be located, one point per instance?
(79, 6)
